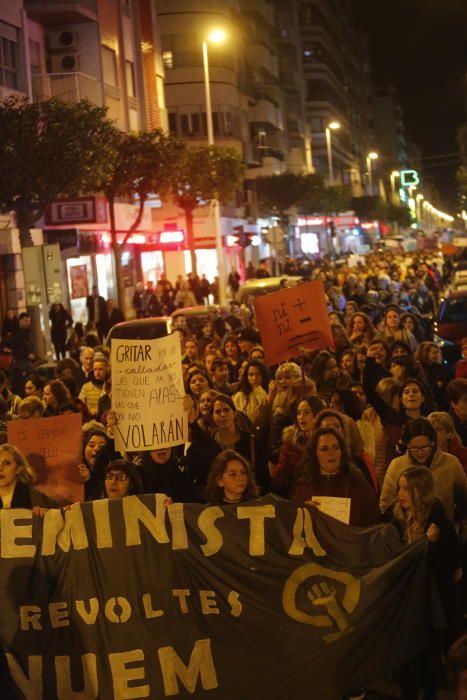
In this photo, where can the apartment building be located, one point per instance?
(257, 98)
(338, 89)
(106, 51)
(390, 130)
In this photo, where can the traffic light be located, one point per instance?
(242, 239)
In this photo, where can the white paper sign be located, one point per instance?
(338, 508)
(147, 393)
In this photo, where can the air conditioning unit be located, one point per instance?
(62, 41)
(64, 63)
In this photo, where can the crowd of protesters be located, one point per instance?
(379, 418)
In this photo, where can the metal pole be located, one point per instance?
(215, 203)
(329, 149)
(393, 187)
(370, 176)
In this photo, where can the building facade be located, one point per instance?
(106, 51)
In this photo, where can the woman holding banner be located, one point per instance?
(329, 472)
(231, 430)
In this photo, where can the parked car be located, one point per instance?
(194, 317)
(141, 329)
(265, 285)
(451, 324)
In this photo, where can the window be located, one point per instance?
(308, 52)
(185, 125)
(172, 122)
(261, 139)
(215, 123)
(305, 14)
(8, 63)
(130, 78)
(34, 56)
(196, 124)
(109, 66)
(168, 59)
(316, 124)
(228, 123)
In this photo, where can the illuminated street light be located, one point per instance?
(370, 157)
(216, 36)
(332, 126)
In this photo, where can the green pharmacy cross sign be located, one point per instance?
(409, 178)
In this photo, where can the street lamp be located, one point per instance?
(331, 126)
(371, 156)
(419, 198)
(392, 177)
(216, 36)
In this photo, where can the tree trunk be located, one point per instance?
(117, 256)
(191, 239)
(24, 226)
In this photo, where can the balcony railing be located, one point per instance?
(55, 12)
(69, 87)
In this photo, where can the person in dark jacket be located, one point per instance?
(113, 316)
(97, 311)
(231, 430)
(60, 321)
(98, 451)
(20, 343)
(163, 472)
(418, 514)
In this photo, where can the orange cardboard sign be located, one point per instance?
(52, 447)
(293, 318)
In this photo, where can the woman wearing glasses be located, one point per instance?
(122, 478)
(328, 471)
(450, 481)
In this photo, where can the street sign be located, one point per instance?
(410, 178)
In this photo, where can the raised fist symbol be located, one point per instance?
(323, 594)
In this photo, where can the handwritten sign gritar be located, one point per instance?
(52, 447)
(293, 318)
(147, 394)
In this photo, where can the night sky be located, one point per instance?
(420, 47)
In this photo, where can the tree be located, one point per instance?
(49, 150)
(282, 192)
(200, 174)
(139, 164)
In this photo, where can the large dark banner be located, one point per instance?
(263, 601)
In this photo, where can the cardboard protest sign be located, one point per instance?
(147, 394)
(293, 318)
(254, 601)
(338, 508)
(52, 447)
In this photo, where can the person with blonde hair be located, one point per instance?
(447, 438)
(417, 514)
(16, 481)
(31, 407)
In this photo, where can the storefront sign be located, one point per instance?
(147, 394)
(292, 319)
(52, 447)
(265, 599)
(81, 210)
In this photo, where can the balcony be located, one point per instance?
(69, 87)
(265, 112)
(50, 13)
